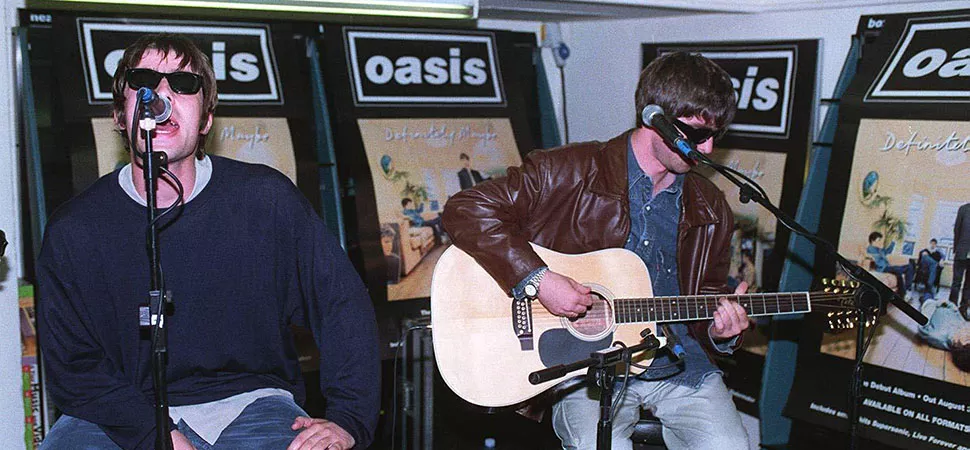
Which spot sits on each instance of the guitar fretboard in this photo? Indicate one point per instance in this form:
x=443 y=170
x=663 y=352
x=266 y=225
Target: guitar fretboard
x=694 y=307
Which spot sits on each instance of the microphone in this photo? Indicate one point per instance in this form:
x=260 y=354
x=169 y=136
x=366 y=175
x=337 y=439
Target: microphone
x=158 y=105
x=653 y=117
x=673 y=342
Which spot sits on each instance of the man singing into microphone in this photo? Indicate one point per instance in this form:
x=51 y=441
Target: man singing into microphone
x=245 y=257
x=633 y=191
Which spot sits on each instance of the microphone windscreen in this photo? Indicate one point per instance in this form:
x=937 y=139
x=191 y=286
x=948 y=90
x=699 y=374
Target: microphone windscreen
x=166 y=111
x=649 y=112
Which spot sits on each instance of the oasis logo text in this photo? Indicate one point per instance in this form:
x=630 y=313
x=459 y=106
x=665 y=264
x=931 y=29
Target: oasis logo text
x=931 y=63
x=241 y=55
x=403 y=68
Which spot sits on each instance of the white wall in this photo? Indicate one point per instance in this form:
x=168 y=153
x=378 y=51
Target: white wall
x=11 y=397
x=552 y=72
x=601 y=75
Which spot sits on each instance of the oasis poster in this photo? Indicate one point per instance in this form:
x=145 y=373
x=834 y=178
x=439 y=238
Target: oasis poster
x=896 y=186
x=413 y=107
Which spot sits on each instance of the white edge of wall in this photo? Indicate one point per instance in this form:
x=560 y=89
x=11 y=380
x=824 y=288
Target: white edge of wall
x=11 y=394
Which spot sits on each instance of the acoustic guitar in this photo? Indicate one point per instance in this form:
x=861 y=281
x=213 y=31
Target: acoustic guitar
x=486 y=344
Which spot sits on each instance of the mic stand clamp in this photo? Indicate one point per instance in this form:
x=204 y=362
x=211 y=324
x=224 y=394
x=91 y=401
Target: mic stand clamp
x=159 y=305
x=601 y=374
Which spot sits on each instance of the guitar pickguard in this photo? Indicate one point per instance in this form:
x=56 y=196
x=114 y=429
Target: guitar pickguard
x=558 y=346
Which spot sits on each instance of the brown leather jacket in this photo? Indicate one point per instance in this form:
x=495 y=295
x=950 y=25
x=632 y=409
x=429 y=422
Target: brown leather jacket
x=573 y=199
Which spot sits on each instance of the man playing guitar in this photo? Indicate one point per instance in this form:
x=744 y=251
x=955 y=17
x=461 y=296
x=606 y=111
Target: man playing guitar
x=637 y=193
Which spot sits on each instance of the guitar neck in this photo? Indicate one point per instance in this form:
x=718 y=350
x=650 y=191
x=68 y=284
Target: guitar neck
x=700 y=307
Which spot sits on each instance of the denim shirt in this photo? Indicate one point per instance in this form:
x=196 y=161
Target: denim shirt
x=879 y=255
x=653 y=235
x=414 y=214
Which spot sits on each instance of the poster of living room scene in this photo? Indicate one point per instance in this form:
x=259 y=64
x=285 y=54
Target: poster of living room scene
x=754 y=226
x=416 y=165
x=907 y=221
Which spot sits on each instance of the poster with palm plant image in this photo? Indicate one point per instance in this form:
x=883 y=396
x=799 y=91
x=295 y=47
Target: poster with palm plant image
x=907 y=182
x=416 y=165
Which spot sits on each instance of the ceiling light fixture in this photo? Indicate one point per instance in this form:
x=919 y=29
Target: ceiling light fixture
x=430 y=9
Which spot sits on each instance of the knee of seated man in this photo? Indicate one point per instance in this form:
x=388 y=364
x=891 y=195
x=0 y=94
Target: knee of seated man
x=736 y=438
x=727 y=438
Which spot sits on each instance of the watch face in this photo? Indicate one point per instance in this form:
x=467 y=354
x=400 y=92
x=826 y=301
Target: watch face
x=531 y=290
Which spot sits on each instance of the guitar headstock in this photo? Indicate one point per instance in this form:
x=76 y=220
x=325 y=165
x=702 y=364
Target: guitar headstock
x=847 y=319
x=846 y=314
x=841 y=292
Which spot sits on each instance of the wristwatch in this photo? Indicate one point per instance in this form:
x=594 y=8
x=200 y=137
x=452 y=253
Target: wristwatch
x=531 y=289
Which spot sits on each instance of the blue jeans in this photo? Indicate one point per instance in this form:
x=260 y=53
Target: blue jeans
x=930 y=265
x=907 y=271
x=264 y=424
x=695 y=419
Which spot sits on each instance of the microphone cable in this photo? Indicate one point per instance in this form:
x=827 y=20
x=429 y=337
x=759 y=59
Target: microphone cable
x=679 y=357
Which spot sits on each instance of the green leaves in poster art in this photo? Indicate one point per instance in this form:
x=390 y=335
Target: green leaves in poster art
x=891 y=226
x=870 y=198
x=416 y=192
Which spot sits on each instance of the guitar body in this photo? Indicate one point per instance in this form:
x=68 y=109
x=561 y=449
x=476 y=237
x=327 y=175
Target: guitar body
x=478 y=353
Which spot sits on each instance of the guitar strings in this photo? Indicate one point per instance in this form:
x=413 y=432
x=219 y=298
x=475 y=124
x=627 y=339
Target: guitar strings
x=798 y=301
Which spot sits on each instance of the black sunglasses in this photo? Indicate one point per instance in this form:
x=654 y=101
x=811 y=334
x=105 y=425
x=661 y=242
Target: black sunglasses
x=698 y=136
x=181 y=82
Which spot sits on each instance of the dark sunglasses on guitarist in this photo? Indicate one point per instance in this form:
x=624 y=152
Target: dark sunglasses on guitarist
x=181 y=82
x=698 y=136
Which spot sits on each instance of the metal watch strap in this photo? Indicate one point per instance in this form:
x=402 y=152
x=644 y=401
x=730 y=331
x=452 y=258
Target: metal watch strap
x=537 y=279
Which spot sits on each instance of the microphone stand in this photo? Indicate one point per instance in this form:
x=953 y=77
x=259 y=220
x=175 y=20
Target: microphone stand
x=152 y=317
x=884 y=293
x=602 y=372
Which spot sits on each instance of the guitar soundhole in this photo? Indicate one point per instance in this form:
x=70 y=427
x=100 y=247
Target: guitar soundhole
x=597 y=322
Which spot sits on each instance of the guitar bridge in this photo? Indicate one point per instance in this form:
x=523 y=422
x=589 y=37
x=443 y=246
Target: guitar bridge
x=522 y=322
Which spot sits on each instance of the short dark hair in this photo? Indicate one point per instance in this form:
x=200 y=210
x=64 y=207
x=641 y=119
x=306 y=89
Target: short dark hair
x=687 y=85
x=464 y=156
x=405 y=201
x=874 y=235
x=387 y=231
x=961 y=356
x=173 y=45
x=933 y=240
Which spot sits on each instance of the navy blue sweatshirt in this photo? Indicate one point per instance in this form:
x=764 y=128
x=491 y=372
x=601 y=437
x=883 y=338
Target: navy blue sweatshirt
x=246 y=258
